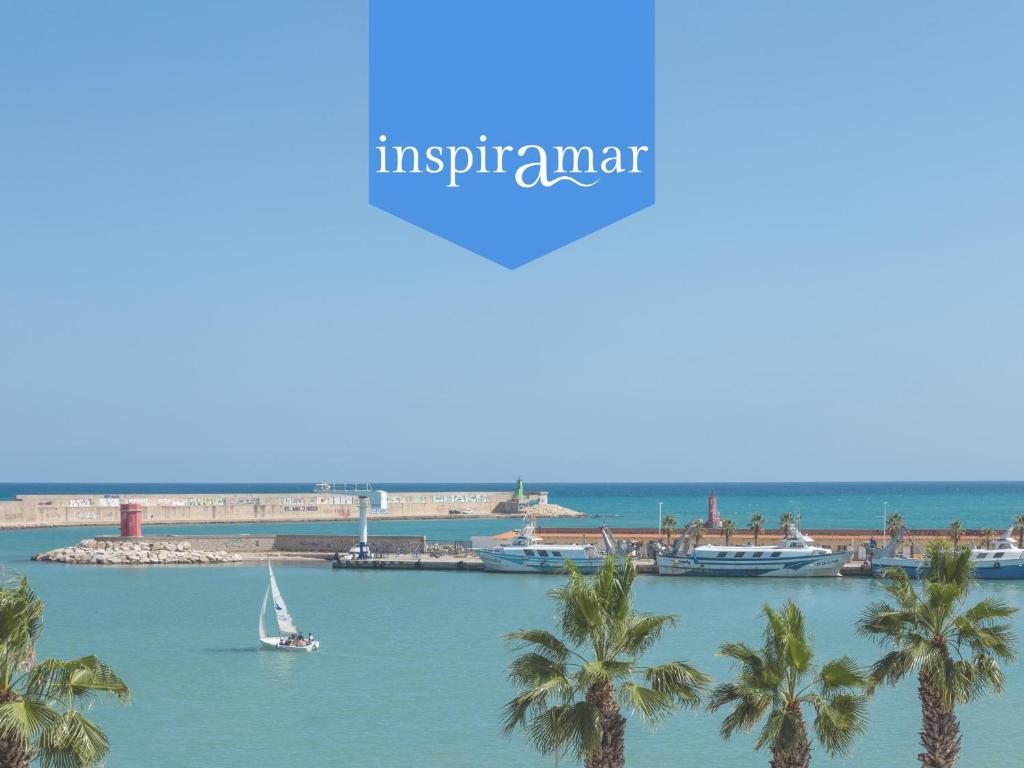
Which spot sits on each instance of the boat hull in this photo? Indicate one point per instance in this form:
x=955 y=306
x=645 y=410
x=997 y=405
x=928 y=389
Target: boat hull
x=501 y=562
x=917 y=568
x=274 y=643
x=805 y=566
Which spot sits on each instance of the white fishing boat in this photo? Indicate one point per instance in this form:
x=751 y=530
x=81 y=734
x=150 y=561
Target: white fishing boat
x=290 y=639
x=796 y=555
x=527 y=553
x=1003 y=560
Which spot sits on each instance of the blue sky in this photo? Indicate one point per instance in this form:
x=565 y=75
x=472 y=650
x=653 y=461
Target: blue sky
x=193 y=287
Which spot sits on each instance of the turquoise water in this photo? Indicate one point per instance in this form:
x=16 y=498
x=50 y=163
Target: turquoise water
x=412 y=666
x=820 y=505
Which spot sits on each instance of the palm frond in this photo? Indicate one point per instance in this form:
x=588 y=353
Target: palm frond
x=748 y=710
x=841 y=674
x=579 y=609
x=22 y=719
x=576 y=727
x=898 y=584
x=640 y=631
x=685 y=684
x=72 y=741
x=532 y=669
x=543 y=642
x=601 y=671
x=533 y=701
x=838 y=720
x=69 y=680
x=652 y=705
x=742 y=653
x=890 y=669
x=21 y=621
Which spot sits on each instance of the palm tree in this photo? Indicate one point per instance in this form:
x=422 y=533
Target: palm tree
x=777 y=681
x=986 y=537
x=728 y=530
x=893 y=523
x=572 y=690
x=697 y=531
x=668 y=527
x=787 y=519
x=1018 y=524
x=756 y=525
x=41 y=703
x=956 y=531
x=955 y=652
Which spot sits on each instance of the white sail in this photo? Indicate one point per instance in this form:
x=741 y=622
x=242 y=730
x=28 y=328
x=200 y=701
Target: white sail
x=284 y=619
x=263 y=610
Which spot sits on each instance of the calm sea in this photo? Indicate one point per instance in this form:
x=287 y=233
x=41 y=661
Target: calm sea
x=412 y=666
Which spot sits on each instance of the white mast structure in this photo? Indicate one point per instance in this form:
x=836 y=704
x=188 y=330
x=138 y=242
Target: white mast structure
x=367 y=498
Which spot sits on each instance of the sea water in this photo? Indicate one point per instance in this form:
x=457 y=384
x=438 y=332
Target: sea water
x=412 y=666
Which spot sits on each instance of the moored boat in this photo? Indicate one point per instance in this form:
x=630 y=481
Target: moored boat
x=290 y=639
x=796 y=555
x=1004 y=560
x=527 y=553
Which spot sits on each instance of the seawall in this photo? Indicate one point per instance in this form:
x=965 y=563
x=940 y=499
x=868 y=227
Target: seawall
x=43 y=511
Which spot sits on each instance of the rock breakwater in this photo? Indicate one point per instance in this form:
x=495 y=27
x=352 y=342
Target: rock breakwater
x=92 y=552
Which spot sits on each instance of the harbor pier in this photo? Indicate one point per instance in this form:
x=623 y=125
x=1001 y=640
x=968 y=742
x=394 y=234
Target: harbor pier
x=53 y=510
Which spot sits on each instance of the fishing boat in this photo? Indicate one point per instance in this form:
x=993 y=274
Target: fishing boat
x=290 y=639
x=1001 y=561
x=527 y=553
x=796 y=555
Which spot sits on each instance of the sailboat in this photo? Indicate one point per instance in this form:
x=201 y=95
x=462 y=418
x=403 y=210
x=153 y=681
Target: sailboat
x=290 y=638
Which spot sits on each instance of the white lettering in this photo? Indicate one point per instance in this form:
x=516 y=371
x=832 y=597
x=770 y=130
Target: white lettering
x=576 y=152
x=612 y=155
x=539 y=167
x=636 y=155
x=435 y=163
x=453 y=163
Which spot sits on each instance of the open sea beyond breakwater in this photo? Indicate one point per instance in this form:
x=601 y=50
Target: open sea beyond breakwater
x=821 y=505
x=411 y=670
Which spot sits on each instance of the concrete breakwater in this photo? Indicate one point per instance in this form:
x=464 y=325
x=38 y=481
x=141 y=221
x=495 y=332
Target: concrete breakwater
x=41 y=511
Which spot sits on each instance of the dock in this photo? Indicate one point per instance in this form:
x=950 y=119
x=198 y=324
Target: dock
x=468 y=564
x=411 y=563
x=440 y=563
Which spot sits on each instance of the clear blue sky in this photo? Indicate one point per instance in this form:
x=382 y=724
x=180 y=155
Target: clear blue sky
x=193 y=286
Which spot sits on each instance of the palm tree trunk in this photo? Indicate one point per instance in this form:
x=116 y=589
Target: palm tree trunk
x=940 y=730
x=14 y=754
x=796 y=754
x=612 y=752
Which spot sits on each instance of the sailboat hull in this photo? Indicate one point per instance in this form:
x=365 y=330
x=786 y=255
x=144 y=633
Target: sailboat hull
x=274 y=643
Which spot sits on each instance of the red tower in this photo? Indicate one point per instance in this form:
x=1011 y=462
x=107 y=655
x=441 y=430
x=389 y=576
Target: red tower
x=714 y=521
x=131 y=520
